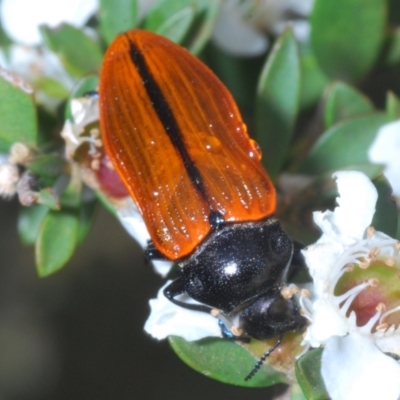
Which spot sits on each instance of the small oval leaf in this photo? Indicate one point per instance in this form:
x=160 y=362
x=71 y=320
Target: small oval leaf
x=205 y=16
x=392 y=55
x=392 y=107
x=224 y=361
x=49 y=198
x=347 y=36
x=56 y=241
x=29 y=221
x=176 y=27
x=117 y=16
x=78 y=52
x=342 y=102
x=86 y=215
x=385 y=217
x=345 y=144
x=18 y=120
x=278 y=102
x=308 y=374
x=313 y=79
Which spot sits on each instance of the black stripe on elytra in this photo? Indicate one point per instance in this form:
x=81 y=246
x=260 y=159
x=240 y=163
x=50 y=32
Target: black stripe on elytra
x=167 y=118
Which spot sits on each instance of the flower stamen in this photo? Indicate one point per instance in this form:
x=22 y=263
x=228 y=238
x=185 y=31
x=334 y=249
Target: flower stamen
x=370 y=232
x=390 y=261
x=387 y=313
x=350 y=295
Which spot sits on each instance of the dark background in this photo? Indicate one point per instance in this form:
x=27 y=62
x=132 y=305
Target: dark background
x=79 y=333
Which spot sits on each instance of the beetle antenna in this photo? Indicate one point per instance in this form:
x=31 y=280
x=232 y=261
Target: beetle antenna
x=260 y=362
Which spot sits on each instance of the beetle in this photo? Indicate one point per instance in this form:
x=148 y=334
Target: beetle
x=176 y=138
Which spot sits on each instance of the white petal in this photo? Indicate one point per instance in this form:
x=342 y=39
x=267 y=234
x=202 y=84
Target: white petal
x=301 y=29
x=168 y=319
x=235 y=36
x=353 y=368
x=320 y=259
x=21 y=18
x=326 y=322
x=388 y=341
x=32 y=63
x=301 y=7
x=3 y=158
x=85 y=110
x=356 y=207
x=385 y=150
x=132 y=221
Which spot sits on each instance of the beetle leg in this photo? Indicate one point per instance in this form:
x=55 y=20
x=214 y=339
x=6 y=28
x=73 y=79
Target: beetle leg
x=152 y=253
x=176 y=288
x=227 y=334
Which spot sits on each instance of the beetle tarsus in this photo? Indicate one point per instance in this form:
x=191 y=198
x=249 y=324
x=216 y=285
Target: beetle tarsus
x=227 y=334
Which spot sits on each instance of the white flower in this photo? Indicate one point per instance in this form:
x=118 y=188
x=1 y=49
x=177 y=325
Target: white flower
x=241 y=25
x=27 y=57
x=84 y=111
x=21 y=18
x=132 y=221
x=168 y=319
x=9 y=177
x=354 y=365
x=385 y=150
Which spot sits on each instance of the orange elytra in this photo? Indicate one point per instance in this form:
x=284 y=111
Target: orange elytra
x=176 y=138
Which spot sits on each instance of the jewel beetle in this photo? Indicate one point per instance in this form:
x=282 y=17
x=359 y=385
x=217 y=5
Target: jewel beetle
x=176 y=138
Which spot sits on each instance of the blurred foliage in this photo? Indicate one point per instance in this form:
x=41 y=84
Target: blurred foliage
x=314 y=106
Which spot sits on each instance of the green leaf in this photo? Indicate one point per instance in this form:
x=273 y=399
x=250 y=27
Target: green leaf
x=205 y=15
x=177 y=26
x=51 y=87
x=5 y=41
x=345 y=144
x=398 y=227
x=308 y=374
x=313 y=80
x=29 y=220
x=78 y=52
x=71 y=198
x=342 y=102
x=85 y=85
x=347 y=35
x=48 y=167
x=392 y=107
x=117 y=16
x=224 y=361
x=385 y=217
x=231 y=70
x=18 y=120
x=297 y=393
x=392 y=54
x=56 y=241
x=394 y=12
x=278 y=102
x=49 y=198
x=86 y=215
